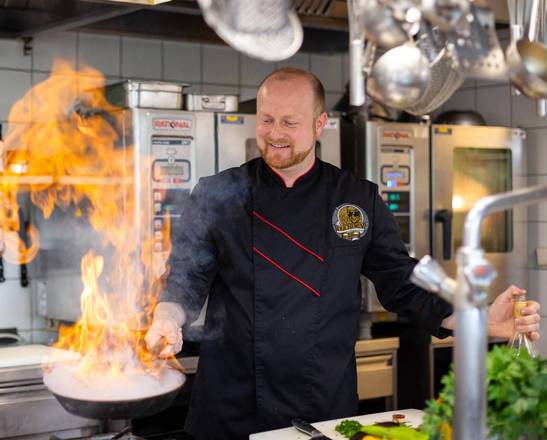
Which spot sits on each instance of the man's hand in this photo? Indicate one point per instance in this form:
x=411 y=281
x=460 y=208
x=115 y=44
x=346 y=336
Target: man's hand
x=165 y=334
x=500 y=316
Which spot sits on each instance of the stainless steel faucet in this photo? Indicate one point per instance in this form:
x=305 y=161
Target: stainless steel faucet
x=468 y=293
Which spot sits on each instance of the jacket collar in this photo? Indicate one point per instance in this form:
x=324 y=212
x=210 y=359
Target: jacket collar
x=272 y=178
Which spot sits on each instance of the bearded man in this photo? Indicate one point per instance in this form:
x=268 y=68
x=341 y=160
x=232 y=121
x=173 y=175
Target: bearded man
x=266 y=244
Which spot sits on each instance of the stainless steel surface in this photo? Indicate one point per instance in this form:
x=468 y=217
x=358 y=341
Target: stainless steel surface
x=397 y=145
x=399 y=77
x=146 y=94
x=445 y=76
x=213 y=103
x=380 y=24
x=446 y=141
x=527 y=57
x=429 y=275
x=478 y=49
x=28 y=410
x=182 y=146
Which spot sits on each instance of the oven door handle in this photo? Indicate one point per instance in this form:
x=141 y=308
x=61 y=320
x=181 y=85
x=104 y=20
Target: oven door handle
x=444 y=216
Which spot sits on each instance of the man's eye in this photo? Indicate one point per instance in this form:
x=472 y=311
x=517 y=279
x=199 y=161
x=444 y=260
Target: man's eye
x=290 y=124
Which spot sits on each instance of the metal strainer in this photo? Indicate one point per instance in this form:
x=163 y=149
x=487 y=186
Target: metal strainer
x=264 y=29
x=445 y=77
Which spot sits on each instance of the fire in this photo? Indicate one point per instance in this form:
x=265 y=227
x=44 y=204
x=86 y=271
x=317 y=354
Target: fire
x=69 y=157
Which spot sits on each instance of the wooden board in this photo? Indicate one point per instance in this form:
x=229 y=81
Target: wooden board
x=413 y=418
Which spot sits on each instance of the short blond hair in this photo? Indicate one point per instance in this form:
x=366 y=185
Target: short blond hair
x=286 y=73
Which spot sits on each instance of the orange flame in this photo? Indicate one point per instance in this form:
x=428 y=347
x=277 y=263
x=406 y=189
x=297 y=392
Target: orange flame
x=66 y=158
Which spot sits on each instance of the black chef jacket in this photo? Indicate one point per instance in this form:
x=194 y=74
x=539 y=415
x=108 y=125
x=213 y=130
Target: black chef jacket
x=281 y=267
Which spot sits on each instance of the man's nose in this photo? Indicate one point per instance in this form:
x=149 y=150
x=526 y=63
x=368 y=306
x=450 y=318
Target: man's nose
x=276 y=130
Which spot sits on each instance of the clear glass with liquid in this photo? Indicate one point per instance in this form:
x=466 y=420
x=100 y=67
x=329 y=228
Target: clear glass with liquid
x=520 y=341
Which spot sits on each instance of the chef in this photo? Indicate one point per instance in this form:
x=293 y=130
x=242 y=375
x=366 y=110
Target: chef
x=278 y=245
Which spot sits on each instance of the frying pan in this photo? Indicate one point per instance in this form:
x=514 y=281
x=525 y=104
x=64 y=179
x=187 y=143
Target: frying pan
x=123 y=408
x=118 y=409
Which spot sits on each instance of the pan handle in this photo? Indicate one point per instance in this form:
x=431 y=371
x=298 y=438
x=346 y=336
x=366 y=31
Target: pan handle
x=444 y=216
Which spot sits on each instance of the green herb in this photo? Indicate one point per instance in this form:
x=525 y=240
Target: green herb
x=517 y=398
x=348 y=428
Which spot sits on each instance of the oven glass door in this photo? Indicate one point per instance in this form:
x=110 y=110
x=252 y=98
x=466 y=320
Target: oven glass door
x=477 y=173
x=469 y=163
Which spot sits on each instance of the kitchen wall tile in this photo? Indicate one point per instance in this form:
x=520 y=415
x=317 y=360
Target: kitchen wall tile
x=469 y=83
x=213 y=89
x=246 y=93
x=101 y=52
x=537 y=237
x=16 y=305
x=538 y=212
x=328 y=68
x=494 y=104
x=300 y=59
x=220 y=65
x=254 y=71
x=16 y=86
x=537 y=288
x=524 y=113
x=462 y=99
x=12 y=56
x=141 y=58
x=48 y=47
x=536 y=150
x=331 y=99
x=182 y=61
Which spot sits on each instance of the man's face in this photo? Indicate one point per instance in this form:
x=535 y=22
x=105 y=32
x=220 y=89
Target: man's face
x=287 y=127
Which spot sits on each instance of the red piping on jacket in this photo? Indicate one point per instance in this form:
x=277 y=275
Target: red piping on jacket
x=286 y=272
x=286 y=234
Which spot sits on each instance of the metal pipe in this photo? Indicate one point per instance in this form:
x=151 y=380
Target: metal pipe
x=356 y=46
x=475 y=276
x=495 y=203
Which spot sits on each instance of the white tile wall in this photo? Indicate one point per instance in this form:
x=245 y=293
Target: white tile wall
x=12 y=56
x=15 y=84
x=48 y=47
x=494 y=104
x=463 y=99
x=220 y=65
x=524 y=113
x=246 y=93
x=141 y=58
x=16 y=305
x=101 y=52
x=181 y=62
x=301 y=60
x=253 y=71
x=328 y=68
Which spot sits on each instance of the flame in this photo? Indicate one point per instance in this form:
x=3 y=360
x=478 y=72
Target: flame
x=69 y=158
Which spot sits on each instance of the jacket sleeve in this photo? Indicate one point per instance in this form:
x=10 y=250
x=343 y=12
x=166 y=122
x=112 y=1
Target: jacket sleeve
x=192 y=264
x=388 y=265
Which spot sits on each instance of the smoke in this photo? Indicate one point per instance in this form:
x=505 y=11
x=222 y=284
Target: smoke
x=64 y=379
x=215 y=205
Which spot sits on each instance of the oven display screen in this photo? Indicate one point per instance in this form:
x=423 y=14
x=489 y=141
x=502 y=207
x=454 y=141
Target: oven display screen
x=176 y=171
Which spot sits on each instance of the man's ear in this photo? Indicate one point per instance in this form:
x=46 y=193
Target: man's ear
x=320 y=123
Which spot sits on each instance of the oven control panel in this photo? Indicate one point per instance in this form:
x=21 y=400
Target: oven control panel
x=396 y=183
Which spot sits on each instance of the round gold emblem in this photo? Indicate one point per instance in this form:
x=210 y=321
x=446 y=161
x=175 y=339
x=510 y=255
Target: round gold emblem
x=350 y=222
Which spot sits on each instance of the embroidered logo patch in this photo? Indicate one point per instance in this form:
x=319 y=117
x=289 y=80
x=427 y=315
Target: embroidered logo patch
x=350 y=222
